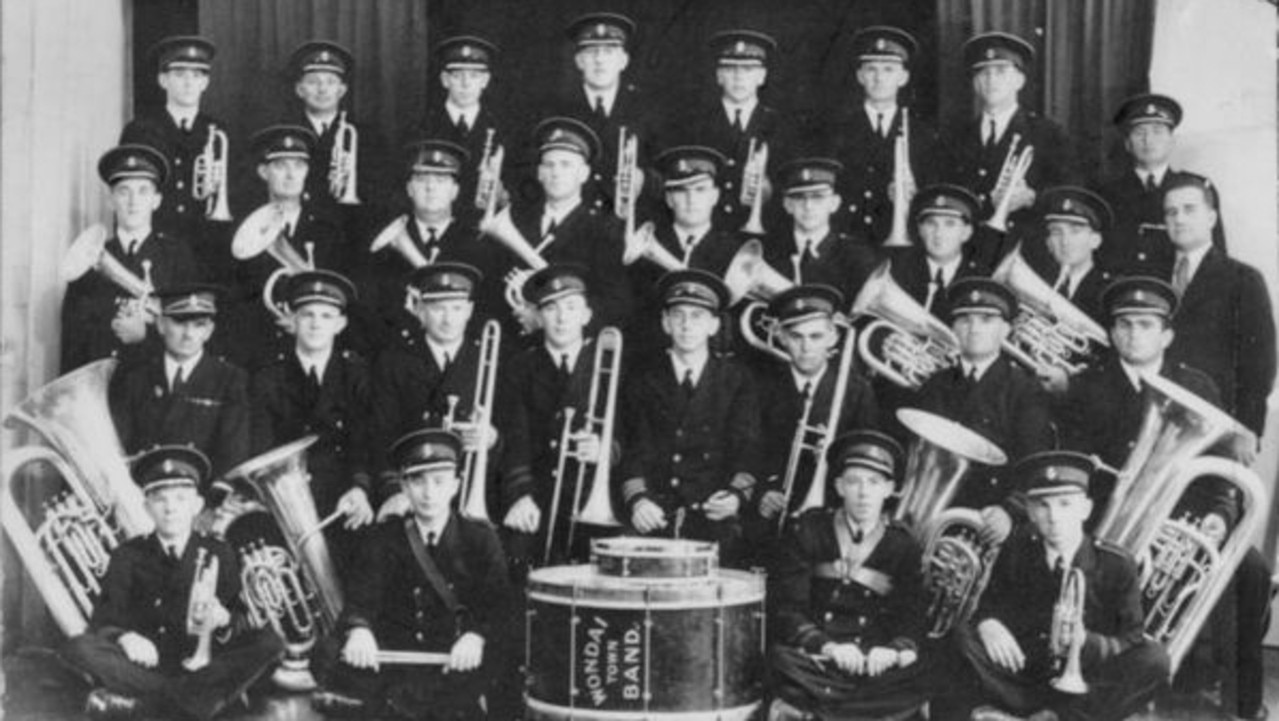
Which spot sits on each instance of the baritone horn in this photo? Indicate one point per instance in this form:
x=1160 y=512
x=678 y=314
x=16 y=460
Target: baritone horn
x=643 y=244
x=501 y=228
x=1064 y=641
x=1012 y=174
x=265 y=231
x=342 y=164
x=88 y=252
x=209 y=176
x=489 y=177
x=957 y=565
x=749 y=275
x=473 y=493
x=754 y=173
x=1049 y=331
x=903 y=185
x=904 y=343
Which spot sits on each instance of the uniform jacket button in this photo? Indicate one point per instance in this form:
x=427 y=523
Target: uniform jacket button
x=830 y=616
x=676 y=458
x=421 y=637
x=674 y=482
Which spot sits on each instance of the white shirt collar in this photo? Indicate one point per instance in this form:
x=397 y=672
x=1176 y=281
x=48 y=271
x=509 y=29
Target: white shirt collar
x=681 y=366
x=873 y=113
x=320 y=362
x=813 y=241
x=968 y=366
x=171 y=366
x=747 y=108
x=439 y=352
x=1002 y=119
x=1158 y=173
x=179 y=545
x=440 y=229
x=456 y=112
x=1134 y=373
x=572 y=351
x=436 y=529
x=1075 y=276
x=557 y=214
x=126 y=237
x=948 y=270
x=180 y=114
x=682 y=234
x=609 y=96
x=1194 y=258
x=801 y=380
x=1067 y=554
x=318 y=124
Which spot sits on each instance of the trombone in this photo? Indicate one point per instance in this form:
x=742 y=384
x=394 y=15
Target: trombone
x=473 y=494
x=342 y=163
x=209 y=176
x=754 y=172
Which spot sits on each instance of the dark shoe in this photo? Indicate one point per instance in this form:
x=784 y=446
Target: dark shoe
x=331 y=703
x=104 y=705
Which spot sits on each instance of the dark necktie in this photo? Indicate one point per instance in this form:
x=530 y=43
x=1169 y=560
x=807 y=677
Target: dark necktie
x=550 y=229
x=448 y=363
x=565 y=371
x=430 y=539
x=172 y=552
x=879 y=125
x=1181 y=275
x=807 y=391
x=687 y=384
x=133 y=247
x=1151 y=185
x=938 y=287
x=432 y=244
x=737 y=122
x=178 y=381
x=600 y=112
x=1059 y=570
x=689 y=242
x=313 y=376
x=1063 y=287
x=462 y=127
x=324 y=129
x=185 y=125
x=990 y=134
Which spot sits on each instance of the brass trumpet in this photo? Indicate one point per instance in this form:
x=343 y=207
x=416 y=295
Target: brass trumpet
x=264 y=231
x=204 y=594
x=903 y=179
x=473 y=494
x=754 y=172
x=1063 y=641
x=1011 y=175
x=88 y=252
x=905 y=343
x=209 y=176
x=625 y=192
x=343 y=162
x=489 y=179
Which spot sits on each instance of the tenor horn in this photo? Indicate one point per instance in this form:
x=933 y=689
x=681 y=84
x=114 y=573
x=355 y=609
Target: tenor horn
x=957 y=565
x=395 y=235
x=209 y=175
x=343 y=162
x=938 y=461
x=501 y=228
x=1049 y=331
x=749 y=275
x=88 y=252
x=265 y=231
x=903 y=179
x=905 y=343
x=643 y=244
x=759 y=330
x=1011 y=174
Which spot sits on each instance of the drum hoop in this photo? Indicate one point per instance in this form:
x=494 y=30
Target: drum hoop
x=652 y=548
x=553 y=711
x=639 y=604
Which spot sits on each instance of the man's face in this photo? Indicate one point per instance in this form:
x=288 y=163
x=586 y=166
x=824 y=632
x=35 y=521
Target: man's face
x=173 y=509
x=318 y=324
x=741 y=83
x=1072 y=244
x=944 y=236
x=1060 y=517
x=1189 y=217
x=809 y=344
x=184 y=86
x=564 y=320
x=430 y=492
x=562 y=174
x=811 y=209
x=694 y=203
x=601 y=65
x=285 y=177
x=997 y=85
x=432 y=193
x=321 y=91
x=465 y=86
x=1150 y=144
x=445 y=320
x=184 y=337
x=882 y=79
x=690 y=327
x=863 y=492
x=1140 y=338
x=980 y=335
x=134 y=201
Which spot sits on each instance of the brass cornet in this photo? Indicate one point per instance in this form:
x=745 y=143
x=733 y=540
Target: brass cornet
x=209 y=178
x=473 y=493
x=342 y=163
x=903 y=181
x=625 y=193
x=489 y=179
x=1063 y=641
x=204 y=596
x=754 y=172
x=1011 y=175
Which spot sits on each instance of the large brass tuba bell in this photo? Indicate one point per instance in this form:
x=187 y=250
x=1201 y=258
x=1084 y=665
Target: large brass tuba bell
x=905 y=343
x=939 y=458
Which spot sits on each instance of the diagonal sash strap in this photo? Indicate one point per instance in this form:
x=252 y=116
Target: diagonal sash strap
x=849 y=566
x=427 y=564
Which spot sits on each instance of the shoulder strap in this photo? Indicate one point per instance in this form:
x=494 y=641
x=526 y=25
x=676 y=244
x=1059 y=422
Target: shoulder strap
x=427 y=564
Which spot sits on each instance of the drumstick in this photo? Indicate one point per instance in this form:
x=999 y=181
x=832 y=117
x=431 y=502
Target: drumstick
x=412 y=658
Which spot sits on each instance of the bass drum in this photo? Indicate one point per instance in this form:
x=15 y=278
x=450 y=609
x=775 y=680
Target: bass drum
x=652 y=629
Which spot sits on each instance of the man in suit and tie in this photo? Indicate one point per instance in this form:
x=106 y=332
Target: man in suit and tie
x=1076 y=220
x=182 y=394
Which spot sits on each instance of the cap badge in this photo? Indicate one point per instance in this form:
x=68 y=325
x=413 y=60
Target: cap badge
x=990 y=53
x=1068 y=204
x=131 y=161
x=683 y=166
x=600 y=29
x=881 y=44
x=193 y=299
x=939 y=201
x=466 y=51
x=191 y=52
x=1150 y=109
x=290 y=141
x=974 y=296
x=556 y=134
x=1051 y=473
x=740 y=47
x=168 y=466
x=323 y=56
x=805 y=174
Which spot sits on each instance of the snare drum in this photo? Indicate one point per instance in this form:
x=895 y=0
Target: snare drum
x=653 y=629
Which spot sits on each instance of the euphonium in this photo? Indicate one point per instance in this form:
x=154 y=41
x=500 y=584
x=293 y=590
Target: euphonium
x=396 y=235
x=209 y=176
x=750 y=275
x=625 y=194
x=903 y=182
x=597 y=419
x=264 y=231
x=938 y=460
x=489 y=176
x=759 y=329
x=500 y=227
x=957 y=565
x=342 y=163
x=88 y=252
x=643 y=244
x=905 y=343
x=1064 y=641
x=276 y=596
x=204 y=593
x=1011 y=175
x=473 y=495
x=753 y=175
x=1049 y=331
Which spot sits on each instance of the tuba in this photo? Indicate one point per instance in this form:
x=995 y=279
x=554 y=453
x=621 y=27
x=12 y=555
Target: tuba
x=342 y=164
x=1184 y=572
x=1049 y=331
x=905 y=343
x=939 y=458
x=88 y=252
x=903 y=180
x=489 y=177
x=264 y=231
x=957 y=565
x=501 y=228
x=1011 y=174
x=474 y=471
x=395 y=235
x=754 y=172
x=598 y=419
x=209 y=176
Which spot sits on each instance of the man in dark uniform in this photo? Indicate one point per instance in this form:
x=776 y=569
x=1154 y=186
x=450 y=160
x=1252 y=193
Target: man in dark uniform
x=565 y=228
x=320 y=390
x=432 y=582
x=805 y=322
x=257 y=335
x=864 y=137
x=1014 y=646
x=181 y=131
x=945 y=218
x=182 y=394
x=693 y=439
x=988 y=393
x=809 y=249
x=99 y=319
x=1138 y=243
x=464 y=118
x=1224 y=325
x=846 y=597
x=432 y=376
x=1076 y=220
x=147 y=624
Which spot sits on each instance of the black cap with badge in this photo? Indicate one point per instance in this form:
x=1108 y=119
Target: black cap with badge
x=872 y=450
x=170 y=466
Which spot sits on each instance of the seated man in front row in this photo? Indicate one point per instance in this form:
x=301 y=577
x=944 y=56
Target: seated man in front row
x=145 y=628
x=1014 y=646
x=847 y=596
x=433 y=582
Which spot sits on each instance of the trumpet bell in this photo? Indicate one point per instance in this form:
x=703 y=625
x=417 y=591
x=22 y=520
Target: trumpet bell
x=749 y=274
x=263 y=232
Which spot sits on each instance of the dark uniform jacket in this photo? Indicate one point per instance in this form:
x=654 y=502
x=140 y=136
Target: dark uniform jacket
x=437 y=125
x=910 y=271
x=843 y=261
x=1137 y=243
x=148 y=592
x=681 y=450
x=92 y=301
x=392 y=596
x=210 y=410
x=1023 y=589
x=1224 y=326
x=709 y=125
x=287 y=406
x=882 y=604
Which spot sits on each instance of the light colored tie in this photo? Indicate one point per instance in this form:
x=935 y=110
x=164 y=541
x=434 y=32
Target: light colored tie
x=1181 y=275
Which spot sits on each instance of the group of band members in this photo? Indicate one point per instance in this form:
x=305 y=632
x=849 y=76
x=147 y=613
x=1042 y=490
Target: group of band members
x=379 y=353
